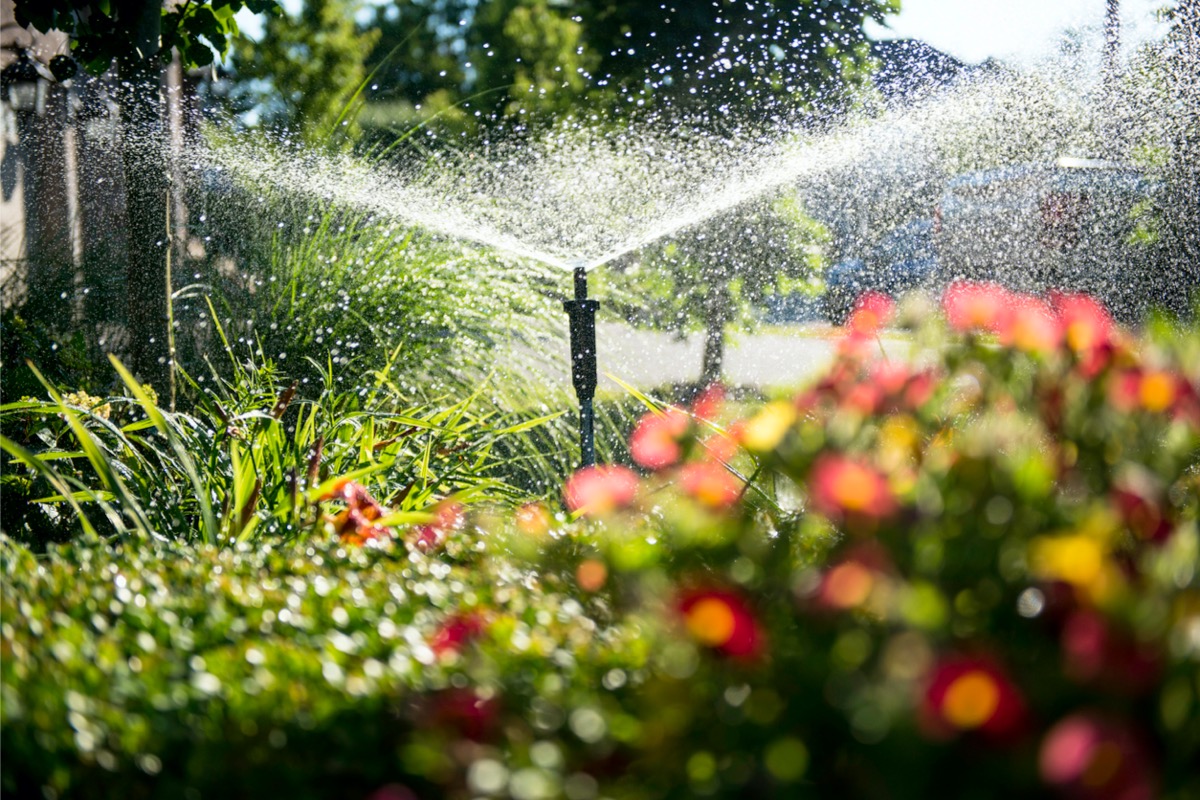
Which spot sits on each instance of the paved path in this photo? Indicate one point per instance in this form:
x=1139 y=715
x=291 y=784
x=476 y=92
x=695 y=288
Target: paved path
x=649 y=359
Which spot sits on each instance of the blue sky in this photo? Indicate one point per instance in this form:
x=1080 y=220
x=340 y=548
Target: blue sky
x=1021 y=30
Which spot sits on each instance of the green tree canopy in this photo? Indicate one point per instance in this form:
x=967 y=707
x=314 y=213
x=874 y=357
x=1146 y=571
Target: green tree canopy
x=306 y=71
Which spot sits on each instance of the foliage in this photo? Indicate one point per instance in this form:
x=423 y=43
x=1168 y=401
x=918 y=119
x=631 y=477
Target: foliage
x=101 y=31
x=720 y=273
x=969 y=574
x=531 y=59
x=248 y=463
x=306 y=72
x=312 y=284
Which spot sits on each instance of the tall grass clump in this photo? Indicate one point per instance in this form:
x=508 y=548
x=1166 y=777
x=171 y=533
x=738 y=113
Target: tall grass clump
x=248 y=461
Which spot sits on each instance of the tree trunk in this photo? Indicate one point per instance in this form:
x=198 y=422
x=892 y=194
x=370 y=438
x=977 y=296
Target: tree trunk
x=716 y=315
x=144 y=163
x=1183 y=180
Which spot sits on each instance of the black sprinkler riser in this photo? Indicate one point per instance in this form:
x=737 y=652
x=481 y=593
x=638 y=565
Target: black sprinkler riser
x=582 y=314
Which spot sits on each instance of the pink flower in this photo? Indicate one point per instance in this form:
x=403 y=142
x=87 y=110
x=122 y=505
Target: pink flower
x=1094 y=758
x=1031 y=326
x=871 y=312
x=1139 y=499
x=600 y=490
x=1087 y=326
x=448 y=516
x=710 y=484
x=976 y=306
x=708 y=404
x=655 y=441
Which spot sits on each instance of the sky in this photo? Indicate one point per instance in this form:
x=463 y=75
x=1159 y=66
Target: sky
x=1019 y=30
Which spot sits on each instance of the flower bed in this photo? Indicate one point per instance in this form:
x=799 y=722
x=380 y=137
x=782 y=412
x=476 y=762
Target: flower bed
x=972 y=574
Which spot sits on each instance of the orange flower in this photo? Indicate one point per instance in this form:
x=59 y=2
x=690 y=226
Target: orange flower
x=841 y=486
x=976 y=306
x=851 y=582
x=1094 y=758
x=966 y=693
x=720 y=619
x=357 y=522
x=591 y=575
x=533 y=519
x=655 y=441
x=710 y=484
x=596 y=491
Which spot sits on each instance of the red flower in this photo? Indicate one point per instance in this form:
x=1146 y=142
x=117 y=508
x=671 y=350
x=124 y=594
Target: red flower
x=1031 y=326
x=1156 y=391
x=976 y=306
x=357 y=522
x=871 y=312
x=1094 y=758
x=448 y=516
x=710 y=484
x=722 y=620
x=655 y=441
x=456 y=632
x=842 y=487
x=596 y=491
x=1095 y=651
x=465 y=712
x=967 y=694
x=1139 y=500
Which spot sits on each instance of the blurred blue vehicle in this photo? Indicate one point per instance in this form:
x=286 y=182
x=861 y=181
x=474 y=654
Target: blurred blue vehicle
x=902 y=261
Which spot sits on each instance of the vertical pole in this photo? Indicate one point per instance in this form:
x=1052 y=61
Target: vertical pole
x=582 y=314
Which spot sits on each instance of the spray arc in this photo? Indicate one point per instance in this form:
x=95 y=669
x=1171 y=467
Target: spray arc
x=582 y=314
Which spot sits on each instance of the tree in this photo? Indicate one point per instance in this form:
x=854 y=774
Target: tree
x=306 y=70
x=705 y=278
x=1166 y=78
x=140 y=36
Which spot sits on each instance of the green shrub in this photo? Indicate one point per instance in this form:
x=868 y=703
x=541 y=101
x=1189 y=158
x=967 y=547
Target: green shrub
x=971 y=574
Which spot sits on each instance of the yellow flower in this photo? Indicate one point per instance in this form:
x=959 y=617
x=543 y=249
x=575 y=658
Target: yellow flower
x=766 y=430
x=87 y=402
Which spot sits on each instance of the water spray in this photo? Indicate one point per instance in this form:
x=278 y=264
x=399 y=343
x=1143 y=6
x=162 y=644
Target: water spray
x=582 y=313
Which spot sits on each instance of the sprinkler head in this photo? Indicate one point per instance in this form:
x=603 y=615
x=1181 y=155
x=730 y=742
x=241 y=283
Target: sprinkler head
x=582 y=314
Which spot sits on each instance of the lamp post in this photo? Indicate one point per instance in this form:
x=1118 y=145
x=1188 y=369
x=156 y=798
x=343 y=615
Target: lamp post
x=582 y=314
x=24 y=88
